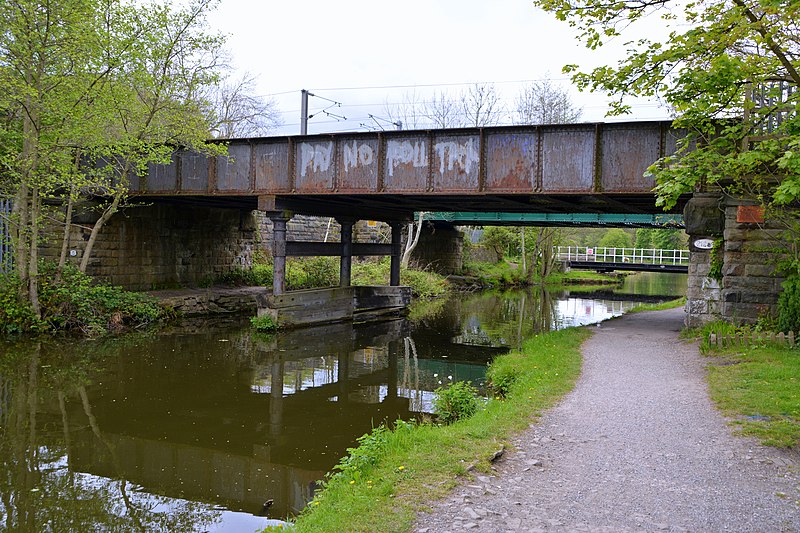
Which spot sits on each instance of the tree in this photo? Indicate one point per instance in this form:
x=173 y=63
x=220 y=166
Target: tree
x=615 y=238
x=443 y=111
x=541 y=102
x=236 y=111
x=414 y=231
x=719 y=55
x=409 y=112
x=94 y=91
x=481 y=106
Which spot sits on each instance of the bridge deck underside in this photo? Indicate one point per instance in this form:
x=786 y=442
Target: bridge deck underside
x=399 y=207
x=575 y=168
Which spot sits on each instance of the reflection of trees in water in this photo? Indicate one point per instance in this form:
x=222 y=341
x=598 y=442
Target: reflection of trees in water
x=510 y=317
x=37 y=489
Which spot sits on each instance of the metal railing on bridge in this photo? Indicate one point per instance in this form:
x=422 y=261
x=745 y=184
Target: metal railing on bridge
x=643 y=256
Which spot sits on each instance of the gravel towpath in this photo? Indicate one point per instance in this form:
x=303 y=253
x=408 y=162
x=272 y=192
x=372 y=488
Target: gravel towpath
x=637 y=446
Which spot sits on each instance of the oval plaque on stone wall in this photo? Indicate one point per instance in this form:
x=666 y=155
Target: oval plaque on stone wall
x=703 y=244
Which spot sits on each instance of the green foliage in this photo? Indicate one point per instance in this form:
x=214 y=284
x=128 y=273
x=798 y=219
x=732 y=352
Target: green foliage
x=264 y=323
x=16 y=314
x=76 y=302
x=455 y=402
x=423 y=283
x=644 y=238
x=503 y=240
x=496 y=275
x=79 y=303
x=371 y=447
x=716 y=260
x=616 y=238
x=789 y=305
x=714 y=53
x=312 y=272
x=504 y=373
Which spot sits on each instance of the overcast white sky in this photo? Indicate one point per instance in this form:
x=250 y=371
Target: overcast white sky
x=363 y=53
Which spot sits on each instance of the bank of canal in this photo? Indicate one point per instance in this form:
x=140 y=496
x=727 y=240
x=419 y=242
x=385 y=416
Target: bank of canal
x=196 y=427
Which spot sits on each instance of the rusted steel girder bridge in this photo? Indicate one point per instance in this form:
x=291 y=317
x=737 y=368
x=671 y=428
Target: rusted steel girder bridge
x=387 y=176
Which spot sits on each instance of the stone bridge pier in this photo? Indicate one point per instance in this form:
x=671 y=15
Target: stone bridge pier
x=733 y=260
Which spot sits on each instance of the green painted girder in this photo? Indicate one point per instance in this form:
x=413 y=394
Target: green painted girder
x=670 y=221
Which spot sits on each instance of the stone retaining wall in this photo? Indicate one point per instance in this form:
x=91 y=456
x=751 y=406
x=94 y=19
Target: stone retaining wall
x=749 y=285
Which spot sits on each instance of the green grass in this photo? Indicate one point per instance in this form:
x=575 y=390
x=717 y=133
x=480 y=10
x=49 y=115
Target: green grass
x=759 y=388
x=672 y=304
x=581 y=277
x=394 y=474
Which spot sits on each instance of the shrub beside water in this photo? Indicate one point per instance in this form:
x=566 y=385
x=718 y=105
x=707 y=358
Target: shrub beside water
x=75 y=303
x=455 y=402
x=264 y=324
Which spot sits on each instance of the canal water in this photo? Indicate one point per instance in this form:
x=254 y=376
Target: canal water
x=196 y=427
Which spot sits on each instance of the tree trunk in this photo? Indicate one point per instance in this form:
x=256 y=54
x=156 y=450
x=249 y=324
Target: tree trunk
x=33 y=264
x=109 y=211
x=62 y=259
x=413 y=239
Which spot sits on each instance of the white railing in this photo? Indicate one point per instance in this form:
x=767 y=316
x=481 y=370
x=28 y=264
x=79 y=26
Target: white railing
x=647 y=256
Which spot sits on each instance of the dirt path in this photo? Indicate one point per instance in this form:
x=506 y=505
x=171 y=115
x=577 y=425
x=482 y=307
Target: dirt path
x=637 y=446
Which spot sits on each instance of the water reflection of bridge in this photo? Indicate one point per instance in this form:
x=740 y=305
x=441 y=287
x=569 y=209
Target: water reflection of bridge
x=266 y=422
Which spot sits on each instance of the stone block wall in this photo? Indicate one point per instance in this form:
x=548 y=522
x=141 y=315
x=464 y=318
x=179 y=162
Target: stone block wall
x=165 y=246
x=308 y=228
x=749 y=286
x=750 y=283
x=440 y=249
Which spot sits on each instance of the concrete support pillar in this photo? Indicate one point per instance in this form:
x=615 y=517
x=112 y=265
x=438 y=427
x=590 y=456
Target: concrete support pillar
x=397 y=252
x=347 y=251
x=279 y=221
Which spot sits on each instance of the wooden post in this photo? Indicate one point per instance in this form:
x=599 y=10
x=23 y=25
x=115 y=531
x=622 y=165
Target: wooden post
x=347 y=251
x=394 y=276
x=279 y=252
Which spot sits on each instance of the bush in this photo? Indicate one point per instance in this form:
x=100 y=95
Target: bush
x=455 y=402
x=264 y=323
x=16 y=316
x=503 y=373
x=74 y=303
x=789 y=305
x=78 y=303
x=312 y=273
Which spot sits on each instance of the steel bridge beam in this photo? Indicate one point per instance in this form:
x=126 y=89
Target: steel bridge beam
x=567 y=168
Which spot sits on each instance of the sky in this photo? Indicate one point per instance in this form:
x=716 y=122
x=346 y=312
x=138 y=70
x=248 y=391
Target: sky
x=364 y=54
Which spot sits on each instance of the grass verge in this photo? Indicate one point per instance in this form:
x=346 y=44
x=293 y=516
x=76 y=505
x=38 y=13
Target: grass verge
x=672 y=304
x=758 y=387
x=392 y=475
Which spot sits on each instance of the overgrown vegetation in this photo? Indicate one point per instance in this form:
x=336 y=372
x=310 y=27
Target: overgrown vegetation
x=319 y=272
x=264 y=323
x=394 y=473
x=74 y=302
x=757 y=386
x=455 y=401
x=789 y=305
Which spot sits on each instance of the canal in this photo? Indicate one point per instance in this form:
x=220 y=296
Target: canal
x=197 y=426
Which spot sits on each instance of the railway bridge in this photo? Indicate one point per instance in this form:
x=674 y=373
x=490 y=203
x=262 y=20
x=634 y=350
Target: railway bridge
x=202 y=203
